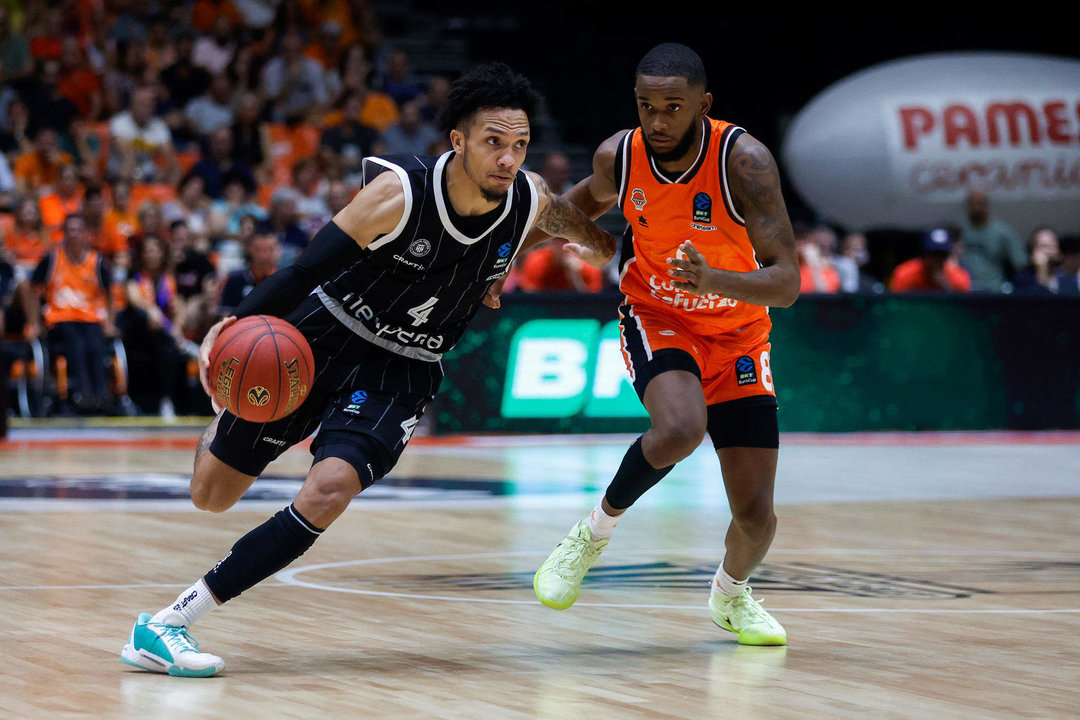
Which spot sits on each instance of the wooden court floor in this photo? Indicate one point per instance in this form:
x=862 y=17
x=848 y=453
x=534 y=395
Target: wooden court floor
x=918 y=576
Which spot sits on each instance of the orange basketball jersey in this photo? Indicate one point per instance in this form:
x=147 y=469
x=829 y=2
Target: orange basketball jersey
x=664 y=211
x=74 y=293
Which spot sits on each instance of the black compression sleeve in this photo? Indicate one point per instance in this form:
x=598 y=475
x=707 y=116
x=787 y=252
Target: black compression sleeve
x=330 y=251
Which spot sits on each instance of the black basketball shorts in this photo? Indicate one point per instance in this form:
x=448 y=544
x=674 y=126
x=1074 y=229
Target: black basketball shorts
x=364 y=401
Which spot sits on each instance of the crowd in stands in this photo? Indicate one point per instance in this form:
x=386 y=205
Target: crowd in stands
x=157 y=160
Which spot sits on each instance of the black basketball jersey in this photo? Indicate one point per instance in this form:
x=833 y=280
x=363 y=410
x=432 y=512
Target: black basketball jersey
x=415 y=289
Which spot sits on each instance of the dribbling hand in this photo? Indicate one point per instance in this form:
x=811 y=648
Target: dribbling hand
x=206 y=348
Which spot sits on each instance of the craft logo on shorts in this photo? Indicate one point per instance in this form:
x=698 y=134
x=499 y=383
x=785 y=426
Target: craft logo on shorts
x=258 y=396
x=420 y=247
x=638 y=198
x=702 y=208
x=746 y=370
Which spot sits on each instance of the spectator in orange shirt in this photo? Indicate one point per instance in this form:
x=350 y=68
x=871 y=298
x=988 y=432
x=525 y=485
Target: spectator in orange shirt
x=553 y=267
x=816 y=269
x=65 y=199
x=934 y=270
x=120 y=220
x=27 y=242
x=93 y=212
x=78 y=83
x=206 y=12
x=39 y=169
x=377 y=109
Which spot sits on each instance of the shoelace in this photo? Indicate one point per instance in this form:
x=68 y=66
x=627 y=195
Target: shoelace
x=567 y=561
x=177 y=638
x=749 y=605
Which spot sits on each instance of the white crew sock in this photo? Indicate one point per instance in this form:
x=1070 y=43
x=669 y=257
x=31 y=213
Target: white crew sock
x=600 y=524
x=188 y=608
x=724 y=583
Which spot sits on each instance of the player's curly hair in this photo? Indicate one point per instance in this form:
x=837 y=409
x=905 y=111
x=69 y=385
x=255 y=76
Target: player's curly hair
x=493 y=85
x=673 y=60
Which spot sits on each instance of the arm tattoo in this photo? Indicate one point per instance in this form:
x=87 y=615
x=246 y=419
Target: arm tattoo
x=561 y=218
x=757 y=184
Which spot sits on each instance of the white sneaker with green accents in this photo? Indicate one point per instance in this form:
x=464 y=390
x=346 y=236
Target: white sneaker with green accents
x=168 y=649
x=744 y=616
x=558 y=581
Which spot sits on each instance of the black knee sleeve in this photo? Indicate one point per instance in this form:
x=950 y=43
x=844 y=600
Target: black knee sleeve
x=261 y=553
x=634 y=477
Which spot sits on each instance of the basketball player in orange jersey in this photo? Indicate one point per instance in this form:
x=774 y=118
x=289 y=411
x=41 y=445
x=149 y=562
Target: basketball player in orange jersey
x=708 y=249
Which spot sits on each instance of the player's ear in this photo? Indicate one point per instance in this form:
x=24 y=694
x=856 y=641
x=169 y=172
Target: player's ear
x=457 y=140
x=706 y=104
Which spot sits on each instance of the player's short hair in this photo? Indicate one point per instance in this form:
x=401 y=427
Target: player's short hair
x=493 y=85
x=673 y=60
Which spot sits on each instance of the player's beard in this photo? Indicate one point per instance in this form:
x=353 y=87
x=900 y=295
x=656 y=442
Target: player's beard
x=680 y=149
x=492 y=196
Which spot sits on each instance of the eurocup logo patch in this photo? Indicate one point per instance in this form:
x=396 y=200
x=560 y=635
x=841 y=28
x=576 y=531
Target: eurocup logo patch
x=504 y=255
x=258 y=396
x=420 y=247
x=746 y=371
x=638 y=198
x=702 y=208
x=358 y=397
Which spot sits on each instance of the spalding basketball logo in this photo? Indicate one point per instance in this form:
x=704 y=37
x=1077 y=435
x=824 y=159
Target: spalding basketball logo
x=258 y=396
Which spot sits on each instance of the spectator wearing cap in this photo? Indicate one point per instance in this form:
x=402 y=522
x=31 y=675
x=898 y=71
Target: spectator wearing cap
x=933 y=271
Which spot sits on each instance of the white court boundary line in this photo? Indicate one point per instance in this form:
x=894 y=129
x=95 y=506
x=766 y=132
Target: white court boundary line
x=287 y=578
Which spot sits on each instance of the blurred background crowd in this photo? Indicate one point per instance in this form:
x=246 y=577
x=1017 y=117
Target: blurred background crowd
x=158 y=160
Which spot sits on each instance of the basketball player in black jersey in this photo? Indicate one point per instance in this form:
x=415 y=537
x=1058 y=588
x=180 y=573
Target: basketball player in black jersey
x=381 y=293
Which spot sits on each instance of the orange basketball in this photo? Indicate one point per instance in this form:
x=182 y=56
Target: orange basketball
x=261 y=368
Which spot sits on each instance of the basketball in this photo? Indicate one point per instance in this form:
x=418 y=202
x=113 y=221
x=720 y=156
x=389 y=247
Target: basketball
x=261 y=368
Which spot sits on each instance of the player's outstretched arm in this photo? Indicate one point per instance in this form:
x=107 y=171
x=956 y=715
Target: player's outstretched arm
x=755 y=188
x=558 y=217
x=594 y=195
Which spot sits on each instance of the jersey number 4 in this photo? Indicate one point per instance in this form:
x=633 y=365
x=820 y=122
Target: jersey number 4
x=420 y=313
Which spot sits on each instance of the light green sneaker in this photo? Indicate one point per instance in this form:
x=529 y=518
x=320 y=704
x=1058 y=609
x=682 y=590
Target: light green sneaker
x=744 y=616
x=168 y=649
x=558 y=581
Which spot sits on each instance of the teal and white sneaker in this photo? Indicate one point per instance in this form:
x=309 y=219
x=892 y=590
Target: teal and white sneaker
x=744 y=616
x=168 y=649
x=558 y=581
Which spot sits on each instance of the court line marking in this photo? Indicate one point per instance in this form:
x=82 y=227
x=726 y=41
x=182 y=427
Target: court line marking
x=287 y=578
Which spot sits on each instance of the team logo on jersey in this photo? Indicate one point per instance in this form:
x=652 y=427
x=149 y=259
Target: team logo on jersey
x=420 y=247
x=638 y=198
x=642 y=221
x=702 y=208
x=746 y=370
x=258 y=396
